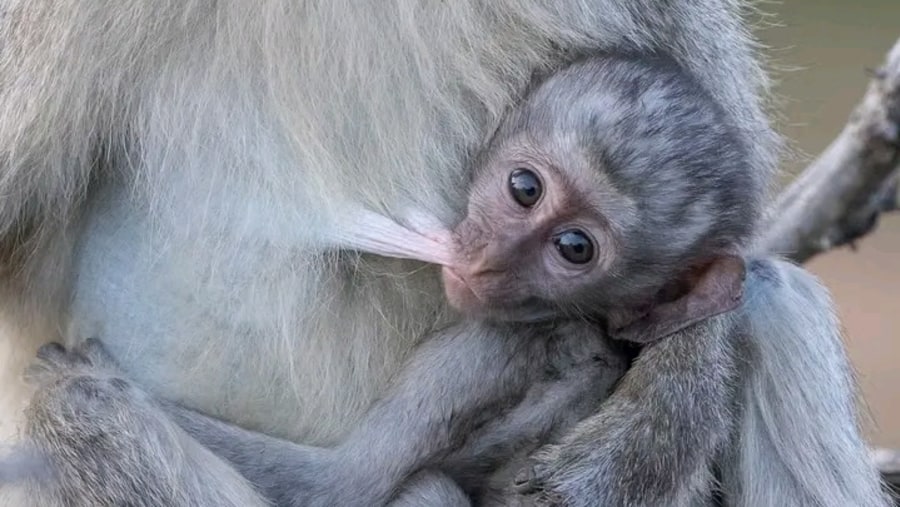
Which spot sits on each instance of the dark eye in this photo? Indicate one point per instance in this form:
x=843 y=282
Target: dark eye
x=575 y=246
x=525 y=187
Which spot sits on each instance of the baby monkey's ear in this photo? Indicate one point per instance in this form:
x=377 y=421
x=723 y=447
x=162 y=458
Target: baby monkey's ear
x=715 y=288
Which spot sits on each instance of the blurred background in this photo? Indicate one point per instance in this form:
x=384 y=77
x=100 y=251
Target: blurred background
x=821 y=51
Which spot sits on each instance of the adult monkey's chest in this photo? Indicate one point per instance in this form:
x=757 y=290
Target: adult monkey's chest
x=206 y=278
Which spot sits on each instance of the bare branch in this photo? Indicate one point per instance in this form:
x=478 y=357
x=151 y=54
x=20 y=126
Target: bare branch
x=839 y=197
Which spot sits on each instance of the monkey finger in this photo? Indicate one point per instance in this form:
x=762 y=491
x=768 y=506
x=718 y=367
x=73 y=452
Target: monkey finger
x=53 y=352
x=548 y=499
x=526 y=481
x=54 y=355
x=50 y=359
x=92 y=352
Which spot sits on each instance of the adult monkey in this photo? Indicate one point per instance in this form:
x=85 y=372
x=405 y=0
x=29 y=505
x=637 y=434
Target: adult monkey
x=174 y=175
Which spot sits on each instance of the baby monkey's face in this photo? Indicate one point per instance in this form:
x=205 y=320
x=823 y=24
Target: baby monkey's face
x=533 y=239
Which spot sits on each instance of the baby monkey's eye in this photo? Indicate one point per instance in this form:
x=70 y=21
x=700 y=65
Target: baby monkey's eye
x=525 y=187
x=575 y=246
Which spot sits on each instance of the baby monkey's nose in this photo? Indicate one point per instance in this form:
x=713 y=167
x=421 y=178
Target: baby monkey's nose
x=499 y=254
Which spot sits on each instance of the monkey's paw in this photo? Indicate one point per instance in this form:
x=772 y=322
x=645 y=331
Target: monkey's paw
x=577 y=473
x=534 y=484
x=82 y=401
x=53 y=362
x=590 y=469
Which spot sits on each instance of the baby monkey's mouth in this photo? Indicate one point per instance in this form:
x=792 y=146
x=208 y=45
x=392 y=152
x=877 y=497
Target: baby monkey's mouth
x=459 y=292
x=466 y=298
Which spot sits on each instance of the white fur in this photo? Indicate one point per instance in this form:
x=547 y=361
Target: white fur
x=230 y=140
x=799 y=444
x=173 y=168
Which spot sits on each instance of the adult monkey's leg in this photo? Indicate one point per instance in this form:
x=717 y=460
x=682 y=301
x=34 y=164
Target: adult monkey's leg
x=109 y=443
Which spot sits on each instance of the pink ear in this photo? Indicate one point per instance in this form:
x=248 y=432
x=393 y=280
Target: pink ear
x=718 y=289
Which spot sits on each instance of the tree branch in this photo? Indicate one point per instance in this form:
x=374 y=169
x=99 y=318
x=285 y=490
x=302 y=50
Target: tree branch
x=839 y=197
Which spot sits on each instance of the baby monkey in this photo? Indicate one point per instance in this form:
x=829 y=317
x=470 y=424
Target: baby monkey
x=609 y=207
x=611 y=203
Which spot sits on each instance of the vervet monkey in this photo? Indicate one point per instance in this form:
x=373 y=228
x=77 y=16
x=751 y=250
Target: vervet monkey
x=174 y=175
x=562 y=245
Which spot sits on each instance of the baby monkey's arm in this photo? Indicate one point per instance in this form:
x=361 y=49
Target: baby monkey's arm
x=459 y=392
x=655 y=439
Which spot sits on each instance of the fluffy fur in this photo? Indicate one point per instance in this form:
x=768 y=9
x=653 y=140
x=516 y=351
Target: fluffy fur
x=169 y=167
x=260 y=122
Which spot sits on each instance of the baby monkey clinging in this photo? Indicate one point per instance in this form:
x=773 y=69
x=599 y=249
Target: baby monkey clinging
x=618 y=191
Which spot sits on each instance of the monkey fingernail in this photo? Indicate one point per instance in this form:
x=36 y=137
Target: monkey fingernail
x=524 y=480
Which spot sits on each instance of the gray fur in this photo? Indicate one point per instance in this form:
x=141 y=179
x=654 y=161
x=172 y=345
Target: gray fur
x=773 y=443
x=23 y=463
x=433 y=489
x=478 y=396
x=798 y=443
x=174 y=166
x=661 y=148
x=672 y=423
x=168 y=171
x=88 y=422
x=446 y=412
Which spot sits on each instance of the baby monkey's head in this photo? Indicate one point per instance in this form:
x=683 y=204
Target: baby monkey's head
x=614 y=185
